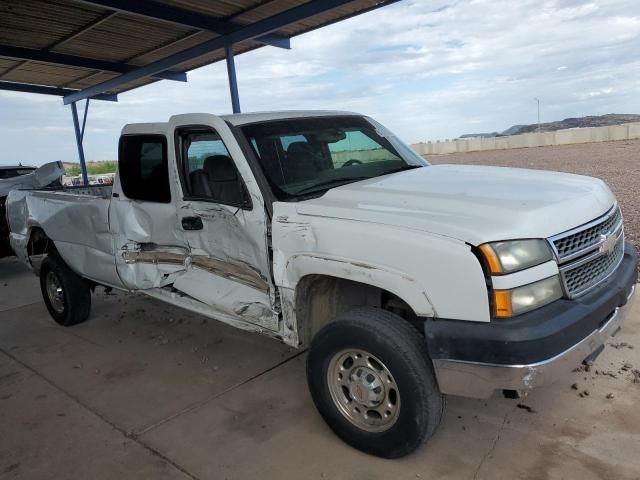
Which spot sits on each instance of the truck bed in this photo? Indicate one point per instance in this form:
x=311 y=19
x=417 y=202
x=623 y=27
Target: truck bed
x=102 y=191
x=76 y=219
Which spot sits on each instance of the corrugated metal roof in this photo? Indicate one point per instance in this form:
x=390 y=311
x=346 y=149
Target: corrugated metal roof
x=84 y=29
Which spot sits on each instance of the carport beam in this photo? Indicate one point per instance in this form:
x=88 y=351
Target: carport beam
x=233 y=81
x=76 y=126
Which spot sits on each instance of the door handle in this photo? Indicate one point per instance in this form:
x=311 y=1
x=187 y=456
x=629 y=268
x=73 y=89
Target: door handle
x=192 y=223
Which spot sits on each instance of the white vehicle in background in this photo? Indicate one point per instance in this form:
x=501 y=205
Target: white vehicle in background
x=406 y=281
x=77 y=181
x=23 y=177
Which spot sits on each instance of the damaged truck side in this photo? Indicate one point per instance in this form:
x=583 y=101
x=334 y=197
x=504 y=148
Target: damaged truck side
x=406 y=281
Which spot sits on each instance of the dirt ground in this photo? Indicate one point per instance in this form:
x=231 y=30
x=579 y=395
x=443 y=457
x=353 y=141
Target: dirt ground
x=617 y=163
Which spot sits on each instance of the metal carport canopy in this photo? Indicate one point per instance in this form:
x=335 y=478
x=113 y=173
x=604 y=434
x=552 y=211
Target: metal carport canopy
x=86 y=49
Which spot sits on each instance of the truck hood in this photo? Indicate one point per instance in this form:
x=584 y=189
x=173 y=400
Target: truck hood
x=474 y=204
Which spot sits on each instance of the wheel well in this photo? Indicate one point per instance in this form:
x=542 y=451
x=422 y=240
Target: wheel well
x=321 y=298
x=39 y=243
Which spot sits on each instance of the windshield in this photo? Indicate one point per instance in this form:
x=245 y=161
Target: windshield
x=305 y=157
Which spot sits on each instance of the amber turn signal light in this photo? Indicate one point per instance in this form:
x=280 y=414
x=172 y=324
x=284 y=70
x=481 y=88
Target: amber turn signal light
x=502 y=302
x=492 y=259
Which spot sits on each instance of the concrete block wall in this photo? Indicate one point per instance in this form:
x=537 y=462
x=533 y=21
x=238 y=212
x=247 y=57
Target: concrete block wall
x=627 y=131
x=619 y=132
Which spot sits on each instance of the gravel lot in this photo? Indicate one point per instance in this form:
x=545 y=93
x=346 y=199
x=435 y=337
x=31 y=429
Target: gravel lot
x=617 y=163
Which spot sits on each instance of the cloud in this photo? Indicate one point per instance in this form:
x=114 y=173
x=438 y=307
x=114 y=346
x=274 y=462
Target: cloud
x=427 y=70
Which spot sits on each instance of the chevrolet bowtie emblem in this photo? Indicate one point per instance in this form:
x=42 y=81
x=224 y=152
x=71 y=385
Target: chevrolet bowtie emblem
x=608 y=244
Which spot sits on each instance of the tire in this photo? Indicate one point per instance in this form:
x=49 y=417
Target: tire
x=66 y=295
x=395 y=424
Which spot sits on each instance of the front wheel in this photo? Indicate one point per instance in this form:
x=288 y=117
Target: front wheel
x=372 y=381
x=66 y=295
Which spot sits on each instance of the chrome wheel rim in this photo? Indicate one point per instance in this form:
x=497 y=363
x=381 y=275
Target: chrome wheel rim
x=363 y=390
x=54 y=292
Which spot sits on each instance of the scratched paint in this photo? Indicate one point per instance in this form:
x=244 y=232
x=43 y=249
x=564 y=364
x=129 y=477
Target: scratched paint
x=429 y=272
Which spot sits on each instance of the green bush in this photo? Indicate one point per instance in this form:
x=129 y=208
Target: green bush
x=93 y=168
x=101 y=167
x=72 y=171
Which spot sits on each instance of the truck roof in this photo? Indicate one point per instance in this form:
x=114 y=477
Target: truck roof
x=238 y=119
x=253 y=117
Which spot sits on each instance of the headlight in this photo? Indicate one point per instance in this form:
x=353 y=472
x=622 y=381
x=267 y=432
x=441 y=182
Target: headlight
x=515 y=255
x=509 y=303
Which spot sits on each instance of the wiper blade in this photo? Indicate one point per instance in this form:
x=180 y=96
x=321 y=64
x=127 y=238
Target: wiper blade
x=334 y=182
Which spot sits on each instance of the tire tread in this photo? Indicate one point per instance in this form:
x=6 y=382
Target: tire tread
x=410 y=347
x=76 y=290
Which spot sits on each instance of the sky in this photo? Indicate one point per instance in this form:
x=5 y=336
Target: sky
x=426 y=69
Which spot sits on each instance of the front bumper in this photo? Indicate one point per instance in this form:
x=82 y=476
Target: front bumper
x=534 y=349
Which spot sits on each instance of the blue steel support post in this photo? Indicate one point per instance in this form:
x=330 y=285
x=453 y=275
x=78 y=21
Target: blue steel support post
x=233 y=81
x=76 y=126
x=84 y=119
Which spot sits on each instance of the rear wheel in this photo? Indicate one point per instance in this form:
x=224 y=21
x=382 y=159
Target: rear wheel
x=66 y=295
x=372 y=381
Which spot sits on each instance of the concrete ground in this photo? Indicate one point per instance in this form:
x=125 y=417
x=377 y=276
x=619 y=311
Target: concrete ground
x=144 y=390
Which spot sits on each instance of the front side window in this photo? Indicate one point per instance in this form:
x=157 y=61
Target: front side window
x=209 y=171
x=143 y=168
x=304 y=157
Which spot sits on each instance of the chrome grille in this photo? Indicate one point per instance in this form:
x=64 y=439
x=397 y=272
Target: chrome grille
x=574 y=244
x=587 y=255
x=581 y=278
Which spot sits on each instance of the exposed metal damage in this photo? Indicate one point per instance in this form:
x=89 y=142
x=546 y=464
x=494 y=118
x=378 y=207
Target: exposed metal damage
x=240 y=273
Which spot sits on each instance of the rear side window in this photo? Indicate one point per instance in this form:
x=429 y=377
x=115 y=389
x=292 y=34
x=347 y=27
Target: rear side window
x=144 y=169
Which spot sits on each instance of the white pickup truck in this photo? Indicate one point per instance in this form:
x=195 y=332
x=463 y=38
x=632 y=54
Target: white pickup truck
x=406 y=281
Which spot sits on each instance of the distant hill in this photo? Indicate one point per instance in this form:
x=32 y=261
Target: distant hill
x=483 y=135
x=579 y=122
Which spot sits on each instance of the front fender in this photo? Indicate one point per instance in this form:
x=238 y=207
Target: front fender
x=396 y=282
x=435 y=275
